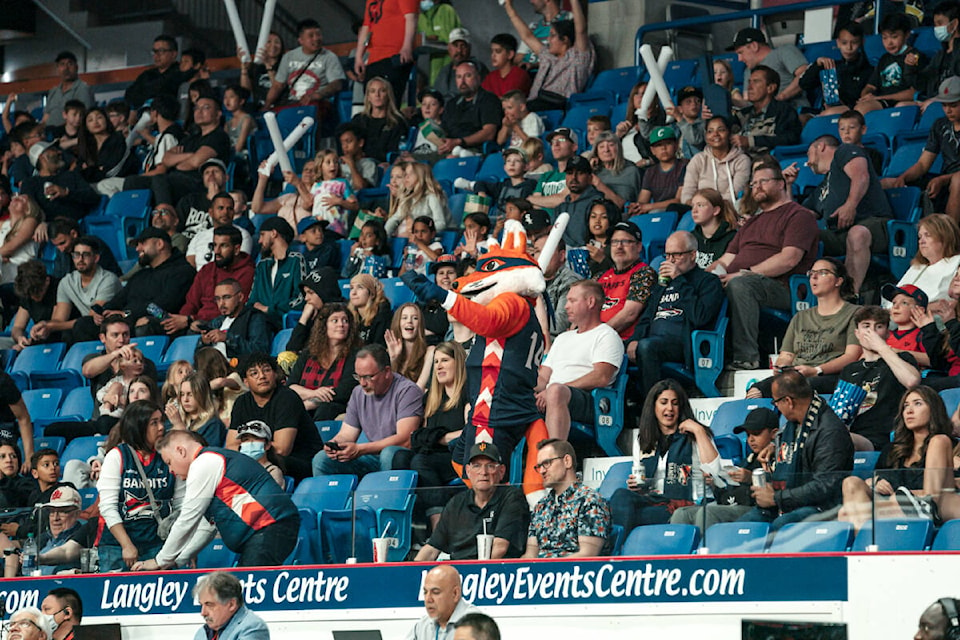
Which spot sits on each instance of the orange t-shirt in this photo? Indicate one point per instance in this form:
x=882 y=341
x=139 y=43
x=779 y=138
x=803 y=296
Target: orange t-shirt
x=385 y=20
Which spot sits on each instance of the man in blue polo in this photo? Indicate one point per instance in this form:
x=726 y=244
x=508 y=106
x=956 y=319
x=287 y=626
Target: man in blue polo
x=254 y=517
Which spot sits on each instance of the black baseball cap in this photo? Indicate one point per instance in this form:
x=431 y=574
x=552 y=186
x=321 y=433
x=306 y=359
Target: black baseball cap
x=578 y=164
x=324 y=283
x=146 y=234
x=281 y=226
x=485 y=450
x=757 y=420
x=535 y=221
x=630 y=228
x=746 y=36
x=689 y=91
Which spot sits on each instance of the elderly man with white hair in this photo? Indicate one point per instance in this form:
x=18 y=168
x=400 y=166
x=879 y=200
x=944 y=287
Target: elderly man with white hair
x=29 y=623
x=225 y=617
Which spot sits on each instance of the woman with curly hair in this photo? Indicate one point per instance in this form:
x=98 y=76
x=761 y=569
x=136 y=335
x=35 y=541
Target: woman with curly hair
x=370 y=307
x=323 y=374
x=407 y=345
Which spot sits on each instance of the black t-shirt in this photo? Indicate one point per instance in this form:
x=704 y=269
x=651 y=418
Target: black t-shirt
x=218 y=140
x=42 y=309
x=381 y=138
x=507 y=516
x=284 y=410
x=192 y=209
x=835 y=188
x=463 y=118
x=880 y=408
x=944 y=139
x=9 y=394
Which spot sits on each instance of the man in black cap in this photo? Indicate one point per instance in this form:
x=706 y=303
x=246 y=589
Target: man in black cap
x=276 y=281
x=320 y=248
x=734 y=500
x=578 y=202
x=488 y=508
x=71 y=87
x=688 y=114
x=628 y=283
x=58 y=190
x=787 y=61
x=318 y=287
x=159 y=288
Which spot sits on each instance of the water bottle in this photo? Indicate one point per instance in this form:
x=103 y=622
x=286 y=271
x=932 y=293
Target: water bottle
x=154 y=310
x=411 y=257
x=29 y=556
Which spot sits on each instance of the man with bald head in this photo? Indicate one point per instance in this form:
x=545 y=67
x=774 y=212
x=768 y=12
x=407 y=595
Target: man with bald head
x=937 y=620
x=685 y=298
x=444 y=604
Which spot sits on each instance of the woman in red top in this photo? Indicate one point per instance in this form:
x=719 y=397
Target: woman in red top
x=323 y=374
x=386 y=41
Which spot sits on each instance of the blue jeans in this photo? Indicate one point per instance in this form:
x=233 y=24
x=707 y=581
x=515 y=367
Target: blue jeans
x=323 y=465
x=111 y=556
x=765 y=515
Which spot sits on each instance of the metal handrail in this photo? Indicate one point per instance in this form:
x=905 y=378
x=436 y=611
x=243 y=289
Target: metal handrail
x=753 y=15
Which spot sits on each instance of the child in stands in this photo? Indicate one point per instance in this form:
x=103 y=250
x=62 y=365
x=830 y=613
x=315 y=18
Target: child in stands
x=506 y=77
x=536 y=166
x=370 y=253
x=241 y=124
x=661 y=183
x=476 y=236
x=519 y=123
x=515 y=185
x=422 y=246
x=906 y=337
x=897 y=75
x=595 y=126
x=852 y=68
x=74 y=111
x=429 y=131
x=332 y=194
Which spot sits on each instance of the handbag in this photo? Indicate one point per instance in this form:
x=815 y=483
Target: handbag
x=164 y=525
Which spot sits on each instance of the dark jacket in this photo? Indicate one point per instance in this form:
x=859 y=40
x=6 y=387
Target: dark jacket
x=341 y=392
x=777 y=125
x=852 y=77
x=249 y=333
x=79 y=202
x=941 y=346
x=824 y=461
x=199 y=301
x=701 y=296
x=165 y=285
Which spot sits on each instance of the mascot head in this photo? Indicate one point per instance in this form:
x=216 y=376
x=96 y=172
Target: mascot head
x=506 y=268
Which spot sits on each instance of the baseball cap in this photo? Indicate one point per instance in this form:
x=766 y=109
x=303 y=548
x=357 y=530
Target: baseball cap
x=948 y=91
x=310 y=221
x=890 y=291
x=662 y=133
x=64 y=496
x=146 y=234
x=535 y=221
x=630 y=228
x=486 y=450
x=459 y=34
x=746 y=36
x=37 y=150
x=446 y=260
x=757 y=420
x=324 y=283
x=281 y=226
x=566 y=132
x=213 y=162
x=255 y=428
x=689 y=91
x=578 y=164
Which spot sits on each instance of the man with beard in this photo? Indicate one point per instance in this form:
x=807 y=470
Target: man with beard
x=629 y=283
x=295 y=437
x=386 y=407
x=192 y=208
x=579 y=201
x=57 y=190
x=87 y=286
x=238 y=329
x=163 y=280
x=769 y=248
x=460 y=50
x=276 y=282
x=473 y=116
x=221 y=214
x=63 y=234
x=71 y=87
x=229 y=261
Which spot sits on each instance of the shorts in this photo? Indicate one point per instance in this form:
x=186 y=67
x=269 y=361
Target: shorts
x=581 y=406
x=835 y=240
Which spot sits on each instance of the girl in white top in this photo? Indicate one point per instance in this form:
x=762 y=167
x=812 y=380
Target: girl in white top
x=422 y=196
x=16 y=236
x=938 y=257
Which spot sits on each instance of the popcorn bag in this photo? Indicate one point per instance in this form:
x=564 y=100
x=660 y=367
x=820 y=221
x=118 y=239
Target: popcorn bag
x=433 y=133
x=477 y=204
x=831 y=87
x=846 y=401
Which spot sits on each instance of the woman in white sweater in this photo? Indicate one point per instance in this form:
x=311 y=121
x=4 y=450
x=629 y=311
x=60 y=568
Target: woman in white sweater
x=937 y=259
x=719 y=166
x=423 y=196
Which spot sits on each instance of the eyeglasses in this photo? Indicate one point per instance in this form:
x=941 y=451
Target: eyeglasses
x=780 y=399
x=677 y=254
x=84 y=255
x=622 y=243
x=540 y=467
x=485 y=466
x=13 y=624
x=367 y=377
x=762 y=181
x=820 y=273
x=224 y=298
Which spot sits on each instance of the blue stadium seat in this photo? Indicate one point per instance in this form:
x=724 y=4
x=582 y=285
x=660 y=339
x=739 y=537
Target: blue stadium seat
x=680 y=73
x=730 y=447
x=132 y=209
x=68 y=375
x=905 y=202
x=816 y=50
x=890 y=122
x=346 y=244
x=328 y=428
x=615 y=478
x=873 y=47
x=48 y=442
x=662 y=540
x=655 y=227
x=83 y=448
x=291 y=318
x=39 y=359
x=932 y=113
x=707 y=349
x=608 y=406
x=732 y=413
x=216 y=555
x=619 y=81
x=181 y=348
x=110 y=231
x=577 y=117
x=77 y=405
x=152 y=347
x=736 y=537
x=311 y=498
x=948 y=538
x=280 y=341
x=492 y=168
x=396 y=292
x=815 y=127
x=812 y=537
x=592 y=98
x=448 y=238
x=686 y=222
x=895 y=535
x=88 y=497
x=905 y=156
x=398 y=248
x=925 y=41
x=382 y=506
x=951 y=398
x=305 y=149
x=902 y=245
x=456 y=204
x=452 y=168
x=43 y=406
x=864 y=463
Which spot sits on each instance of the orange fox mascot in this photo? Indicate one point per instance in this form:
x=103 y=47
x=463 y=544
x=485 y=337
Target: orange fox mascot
x=497 y=303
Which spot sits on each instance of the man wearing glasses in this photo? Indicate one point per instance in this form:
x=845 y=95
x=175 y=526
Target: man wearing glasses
x=572 y=520
x=628 y=283
x=489 y=507
x=686 y=298
x=28 y=623
x=755 y=269
x=238 y=329
x=386 y=407
x=164 y=77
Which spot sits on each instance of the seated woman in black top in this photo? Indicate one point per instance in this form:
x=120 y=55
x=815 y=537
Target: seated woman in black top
x=444 y=413
x=912 y=471
x=323 y=373
x=101 y=151
x=382 y=124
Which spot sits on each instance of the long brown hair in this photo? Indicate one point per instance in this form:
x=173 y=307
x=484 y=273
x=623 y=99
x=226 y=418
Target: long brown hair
x=319 y=346
x=943 y=228
x=903 y=443
x=435 y=393
x=410 y=361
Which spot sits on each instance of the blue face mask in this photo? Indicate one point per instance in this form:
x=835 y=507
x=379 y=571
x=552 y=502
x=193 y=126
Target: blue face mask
x=942 y=34
x=426 y=5
x=254 y=449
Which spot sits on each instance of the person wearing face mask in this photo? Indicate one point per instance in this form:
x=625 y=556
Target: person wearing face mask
x=255 y=437
x=946 y=28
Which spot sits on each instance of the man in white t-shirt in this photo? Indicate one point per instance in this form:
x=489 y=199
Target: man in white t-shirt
x=582 y=359
x=311 y=72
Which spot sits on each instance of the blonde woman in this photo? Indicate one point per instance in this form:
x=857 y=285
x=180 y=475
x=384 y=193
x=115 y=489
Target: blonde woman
x=370 y=307
x=407 y=345
x=198 y=410
x=382 y=124
x=937 y=259
x=16 y=236
x=225 y=385
x=422 y=196
x=619 y=179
